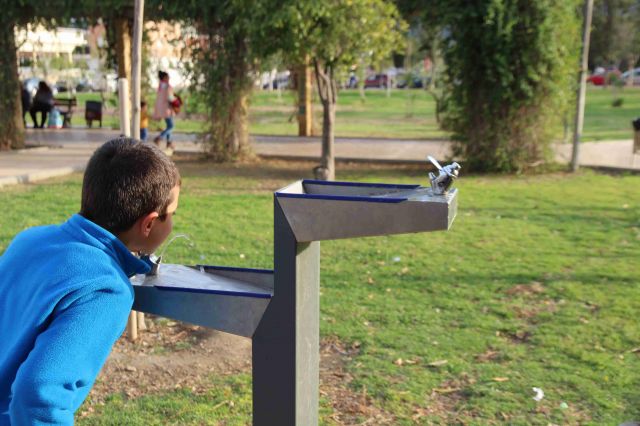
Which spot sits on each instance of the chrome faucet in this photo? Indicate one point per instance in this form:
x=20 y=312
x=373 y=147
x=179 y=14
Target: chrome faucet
x=153 y=261
x=440 y=184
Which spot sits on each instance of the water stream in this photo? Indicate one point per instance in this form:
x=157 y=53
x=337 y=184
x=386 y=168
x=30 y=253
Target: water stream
x=191 y=245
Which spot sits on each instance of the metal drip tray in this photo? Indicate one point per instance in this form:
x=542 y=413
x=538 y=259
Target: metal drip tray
x=321 y=210
x=192 y=279
x=227 y=299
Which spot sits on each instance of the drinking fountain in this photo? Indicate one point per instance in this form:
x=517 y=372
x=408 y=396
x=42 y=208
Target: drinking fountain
x=279 y=309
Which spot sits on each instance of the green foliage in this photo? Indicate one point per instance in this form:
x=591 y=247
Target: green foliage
x=332 y=34
x=232 y=37
x=340 y=32
x=510 y=68
x=614 y=35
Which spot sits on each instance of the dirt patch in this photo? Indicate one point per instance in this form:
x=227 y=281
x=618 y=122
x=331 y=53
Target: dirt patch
x=171 y=355
x=349 y=408
x=531 y=289
x=444 y=401
x=535 y=304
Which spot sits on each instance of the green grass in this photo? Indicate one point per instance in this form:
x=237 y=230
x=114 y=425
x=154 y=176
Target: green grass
x=604 y=121
x=405 y=114
x=536 y=284
x=226 y=403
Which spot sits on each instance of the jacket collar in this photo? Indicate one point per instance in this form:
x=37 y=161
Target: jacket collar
x=92 y=234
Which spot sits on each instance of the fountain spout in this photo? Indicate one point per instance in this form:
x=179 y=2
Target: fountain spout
x=153 y=261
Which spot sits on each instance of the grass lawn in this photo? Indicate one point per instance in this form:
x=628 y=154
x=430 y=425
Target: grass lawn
x=405 y=114
x=536 y=285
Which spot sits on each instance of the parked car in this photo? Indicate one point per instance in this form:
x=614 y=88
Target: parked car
x=279 y=81
x=62 y=86
x=405 y=81
x=636 y=76
x=84 y=85
x=602 y=76
x=376 y=80
x=597 y=79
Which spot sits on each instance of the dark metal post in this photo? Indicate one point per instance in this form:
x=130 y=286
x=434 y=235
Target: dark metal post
x=286 y=343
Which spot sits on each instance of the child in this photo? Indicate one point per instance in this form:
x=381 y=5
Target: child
x=144 y=121
x=65 y=293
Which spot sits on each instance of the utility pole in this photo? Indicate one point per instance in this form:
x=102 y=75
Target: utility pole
x=136 y=68
x=305 y=115
x=582 y=85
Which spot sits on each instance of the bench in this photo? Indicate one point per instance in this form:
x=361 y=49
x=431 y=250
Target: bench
x=66 y=106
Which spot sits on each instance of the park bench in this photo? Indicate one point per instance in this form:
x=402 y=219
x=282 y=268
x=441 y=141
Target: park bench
x=66 y=106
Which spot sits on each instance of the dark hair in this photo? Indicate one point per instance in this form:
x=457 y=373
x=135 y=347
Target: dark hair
x=125 y=180
x=162 y=75
x=143 y=104
x=43 y=87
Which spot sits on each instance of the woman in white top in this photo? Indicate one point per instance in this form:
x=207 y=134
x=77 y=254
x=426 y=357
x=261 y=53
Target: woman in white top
x=163 y=109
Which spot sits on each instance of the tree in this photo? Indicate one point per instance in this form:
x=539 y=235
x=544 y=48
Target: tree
x=615 y=39
x=232 y=37
x=19 y=13
x=11 y=126
x=508 y=64
x=334 y=34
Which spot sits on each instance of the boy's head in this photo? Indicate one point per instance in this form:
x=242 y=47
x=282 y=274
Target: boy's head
x=143 y=105
x=163 y=76
x=130 y=188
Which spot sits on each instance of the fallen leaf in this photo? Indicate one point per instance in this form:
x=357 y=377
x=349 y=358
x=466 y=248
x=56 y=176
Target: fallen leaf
x=446 y=390
x=438 y=363
x=500 y=379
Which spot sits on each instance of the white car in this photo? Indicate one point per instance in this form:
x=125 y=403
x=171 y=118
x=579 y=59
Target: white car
x=636 y=76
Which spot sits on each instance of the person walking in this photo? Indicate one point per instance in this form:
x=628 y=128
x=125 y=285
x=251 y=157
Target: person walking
x=164 y=110
x=43 y=103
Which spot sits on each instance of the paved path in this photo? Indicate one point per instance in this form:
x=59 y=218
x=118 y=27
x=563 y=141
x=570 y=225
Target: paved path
x=64 y=151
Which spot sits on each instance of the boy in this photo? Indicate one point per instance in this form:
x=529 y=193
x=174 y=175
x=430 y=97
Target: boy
x=65 y=293
x=144 y=121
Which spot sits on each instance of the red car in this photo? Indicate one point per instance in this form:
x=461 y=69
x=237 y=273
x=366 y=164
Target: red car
x=376 y=80
x=602 y=76
x=596 y=79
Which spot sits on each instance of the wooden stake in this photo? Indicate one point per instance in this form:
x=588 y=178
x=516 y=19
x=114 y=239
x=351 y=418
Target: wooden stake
x=140 y=321
x=132 y=326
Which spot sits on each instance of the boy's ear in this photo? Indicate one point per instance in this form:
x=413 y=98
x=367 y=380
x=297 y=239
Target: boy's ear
x=147 y=222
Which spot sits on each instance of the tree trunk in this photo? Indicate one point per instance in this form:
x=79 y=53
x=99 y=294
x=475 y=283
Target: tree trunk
x=11 y=124
x=123 y=48
x=328 y=139
x=328 y=92
x=239 y=142
x=362 y=75
x=224 y=67
x=631 y=67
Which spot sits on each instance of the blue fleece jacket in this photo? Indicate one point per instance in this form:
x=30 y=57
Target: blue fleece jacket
x=64 y=300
